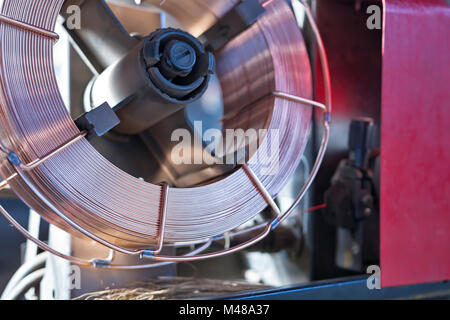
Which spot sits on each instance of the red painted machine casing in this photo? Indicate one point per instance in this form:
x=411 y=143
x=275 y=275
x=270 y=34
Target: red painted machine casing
x=415 y=143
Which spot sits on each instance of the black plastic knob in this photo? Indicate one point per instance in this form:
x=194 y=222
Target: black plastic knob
x=178 y=60
x=177 y=64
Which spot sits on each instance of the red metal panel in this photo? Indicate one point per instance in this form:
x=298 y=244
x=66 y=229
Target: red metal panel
x=415 y=165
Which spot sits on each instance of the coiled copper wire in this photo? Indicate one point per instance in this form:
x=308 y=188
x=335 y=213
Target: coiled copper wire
x=270 y=56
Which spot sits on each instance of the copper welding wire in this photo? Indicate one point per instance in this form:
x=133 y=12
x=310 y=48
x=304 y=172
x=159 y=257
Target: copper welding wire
x=89 y=190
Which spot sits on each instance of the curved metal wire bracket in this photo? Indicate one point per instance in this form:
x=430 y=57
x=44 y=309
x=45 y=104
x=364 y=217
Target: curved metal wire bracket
x=162 y=222
x=262 y=190
x=96 y=263
x=155 y=254
x=15 y=160
x=29 y=27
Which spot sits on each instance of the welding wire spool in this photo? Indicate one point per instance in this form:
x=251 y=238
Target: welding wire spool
x=112 y=205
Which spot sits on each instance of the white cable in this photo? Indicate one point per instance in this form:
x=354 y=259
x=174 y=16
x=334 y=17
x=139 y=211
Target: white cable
x=23 y=271
x=26 y=284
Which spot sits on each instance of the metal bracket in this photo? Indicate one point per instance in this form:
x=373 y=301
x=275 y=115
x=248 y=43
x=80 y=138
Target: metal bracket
x=162 y=222
x=262 y=190
x=15 y=160
x=98 y=121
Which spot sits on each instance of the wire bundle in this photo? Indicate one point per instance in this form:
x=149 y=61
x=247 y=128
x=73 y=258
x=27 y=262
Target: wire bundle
x=270 y=56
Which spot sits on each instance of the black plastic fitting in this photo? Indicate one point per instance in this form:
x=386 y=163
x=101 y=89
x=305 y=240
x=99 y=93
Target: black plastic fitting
x=177 y=64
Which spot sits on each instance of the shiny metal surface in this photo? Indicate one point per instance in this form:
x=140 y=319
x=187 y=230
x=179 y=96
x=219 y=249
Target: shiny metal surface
x=103 y=43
